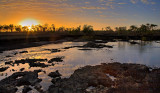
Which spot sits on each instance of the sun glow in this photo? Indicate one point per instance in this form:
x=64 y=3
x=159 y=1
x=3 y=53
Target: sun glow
x=29 y=22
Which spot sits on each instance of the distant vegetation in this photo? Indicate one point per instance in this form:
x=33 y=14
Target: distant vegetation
x=142 y=29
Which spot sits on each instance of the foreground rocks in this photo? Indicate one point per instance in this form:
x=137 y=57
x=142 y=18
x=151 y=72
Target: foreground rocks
x=110 y=78
x=2 y=69
x=9 y=84
x=57 y=59
x=104 y=78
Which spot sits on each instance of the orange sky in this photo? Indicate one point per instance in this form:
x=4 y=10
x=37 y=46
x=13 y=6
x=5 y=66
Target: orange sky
x=72 y=13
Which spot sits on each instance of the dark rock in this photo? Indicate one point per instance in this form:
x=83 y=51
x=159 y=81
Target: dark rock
x=84 y=49
x=8 y=56
x=15 y=53
x=133 y=42
x=32 y=62
x=94 y=45
x=54 y=74
x=9 y=63
x=110 y=78
x=22 y=69
x=38 y=87
x=53 y=50
x=18 y=79
x=38 y=64
x=57 y=59
x=68 y=47
x=3 y=69
x=13 y=70
x=26 y=89
x=23 y=52
x=8 y=89
x=23 y=61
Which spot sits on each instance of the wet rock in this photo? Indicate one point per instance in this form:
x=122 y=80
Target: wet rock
x=18 y=79
x=9 y=63
x=9 y=56
x=54 y=74
x=22 y=69
x=57 y=59
x=26 y=89
x=68 y=47
x=94 y=45
x=38 y=87
x=32 y=62
x=157 y=41
x=13 y=70
x=38 y=64
x=133 y=42
x=110 y=78
x=84 y=49
x=23 y=61
x=53 y=50
x=2 y=69
x=23 y=52
x=8 y=89
x=15 y=53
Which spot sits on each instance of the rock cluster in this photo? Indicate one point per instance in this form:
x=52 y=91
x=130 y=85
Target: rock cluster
x=128 y=78
x=9 y=84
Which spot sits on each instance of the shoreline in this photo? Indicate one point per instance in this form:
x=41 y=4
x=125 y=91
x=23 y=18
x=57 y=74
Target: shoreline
x=11 y=41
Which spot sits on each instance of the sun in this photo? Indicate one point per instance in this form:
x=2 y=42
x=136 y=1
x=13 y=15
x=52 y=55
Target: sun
x=29 y=22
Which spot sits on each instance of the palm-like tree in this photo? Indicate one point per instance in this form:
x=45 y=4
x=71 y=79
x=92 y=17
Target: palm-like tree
x=152 y=26
x=133 y=28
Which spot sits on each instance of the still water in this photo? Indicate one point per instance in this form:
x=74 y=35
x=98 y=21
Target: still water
x=147 y=53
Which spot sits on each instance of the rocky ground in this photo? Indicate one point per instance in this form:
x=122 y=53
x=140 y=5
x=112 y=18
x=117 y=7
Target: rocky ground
x=110 y=78
x=104 y=78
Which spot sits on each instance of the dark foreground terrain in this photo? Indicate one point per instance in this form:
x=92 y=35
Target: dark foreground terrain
x=104 y=78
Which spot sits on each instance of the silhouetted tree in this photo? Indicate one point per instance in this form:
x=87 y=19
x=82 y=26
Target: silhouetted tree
x=6 y=27
x=133 y=28
x=25 y=28
x=121 y=28
x=152 y=26
x=11 y=27
x=87 y=28
x=61 y=29
x=143 y=28
x=18 y=28
x=108 y=28
x=53 y=27
x=78 y=29
x=40 y=27
x=1 y=27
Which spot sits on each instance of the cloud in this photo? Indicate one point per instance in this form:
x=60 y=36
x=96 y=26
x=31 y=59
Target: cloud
x=87 y=2
x=142 y=1
x=133 y=1
x=145 y=1
x=94 y=7
x=121 y=3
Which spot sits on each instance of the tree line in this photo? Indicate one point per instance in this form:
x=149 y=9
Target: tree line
x=86 y=28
